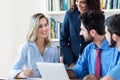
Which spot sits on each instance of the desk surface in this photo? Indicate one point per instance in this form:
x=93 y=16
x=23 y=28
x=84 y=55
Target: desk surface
x=21 y=79
x=32 y=79
x=29 y=79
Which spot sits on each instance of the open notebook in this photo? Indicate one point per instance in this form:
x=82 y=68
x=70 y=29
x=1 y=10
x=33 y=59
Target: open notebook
x=52 y=71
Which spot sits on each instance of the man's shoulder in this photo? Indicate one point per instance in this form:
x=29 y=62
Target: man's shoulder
x=90 y=45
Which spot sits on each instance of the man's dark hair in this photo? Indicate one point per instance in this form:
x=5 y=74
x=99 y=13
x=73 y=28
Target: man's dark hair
x=113 y=24
x=94 y=19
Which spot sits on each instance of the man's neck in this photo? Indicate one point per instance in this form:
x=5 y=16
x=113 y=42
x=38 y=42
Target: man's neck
x=118 y=46
x=118 y=43
x=98 y=40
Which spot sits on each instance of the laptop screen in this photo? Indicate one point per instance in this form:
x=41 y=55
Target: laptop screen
x=52 y=71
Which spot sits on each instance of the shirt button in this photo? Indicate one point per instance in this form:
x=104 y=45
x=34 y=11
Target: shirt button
x=80 y=44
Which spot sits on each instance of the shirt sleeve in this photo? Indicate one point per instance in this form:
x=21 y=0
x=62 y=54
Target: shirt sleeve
x=115 y=72
x=19 y=62
x=57 y=55
x=81 y=66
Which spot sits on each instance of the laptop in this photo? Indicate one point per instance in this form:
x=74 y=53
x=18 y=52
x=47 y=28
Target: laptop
x=52 y=71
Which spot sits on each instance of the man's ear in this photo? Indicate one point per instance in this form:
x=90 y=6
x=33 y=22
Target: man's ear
x=114 y=37
x=92 y=32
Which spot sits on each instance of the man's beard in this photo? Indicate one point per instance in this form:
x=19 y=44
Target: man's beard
x=112 y=43
x=89 y=39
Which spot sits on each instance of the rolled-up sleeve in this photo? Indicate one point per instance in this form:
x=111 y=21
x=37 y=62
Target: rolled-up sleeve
x=81 y=67
x=18 y=65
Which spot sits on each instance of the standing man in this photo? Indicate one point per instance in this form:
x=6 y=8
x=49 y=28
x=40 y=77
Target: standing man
x=98 y=59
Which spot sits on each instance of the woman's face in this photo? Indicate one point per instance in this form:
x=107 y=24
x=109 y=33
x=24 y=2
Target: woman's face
x=43 y=29
x=82 y=6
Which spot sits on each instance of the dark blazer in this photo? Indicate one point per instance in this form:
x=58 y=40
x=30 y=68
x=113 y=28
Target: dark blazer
x=71 y=43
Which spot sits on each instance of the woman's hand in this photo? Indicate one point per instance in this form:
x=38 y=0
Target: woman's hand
x=28 y=72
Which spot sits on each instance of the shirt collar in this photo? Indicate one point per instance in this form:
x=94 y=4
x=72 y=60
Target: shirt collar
x=35 y=45
x=104 y=45
x=32 y=44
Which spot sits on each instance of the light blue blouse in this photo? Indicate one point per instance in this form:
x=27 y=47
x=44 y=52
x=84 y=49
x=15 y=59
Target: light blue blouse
x=86 y=63
x=28 y=55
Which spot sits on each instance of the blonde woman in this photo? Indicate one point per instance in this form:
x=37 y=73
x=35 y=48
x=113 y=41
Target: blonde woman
x=37 y=48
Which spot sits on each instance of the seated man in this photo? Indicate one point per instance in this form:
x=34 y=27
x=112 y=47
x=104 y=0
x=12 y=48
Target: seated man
x=98 y=58
x=113 y=34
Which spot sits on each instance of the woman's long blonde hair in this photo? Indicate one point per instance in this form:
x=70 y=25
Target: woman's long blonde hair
x=34 y=25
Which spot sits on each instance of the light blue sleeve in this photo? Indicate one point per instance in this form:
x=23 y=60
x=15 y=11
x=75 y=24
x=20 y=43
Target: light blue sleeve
x=19 y=62
x=115 y=72
x=56 y=54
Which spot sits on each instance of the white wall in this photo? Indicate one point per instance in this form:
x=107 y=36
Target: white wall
x=14 y=18
x=6 y=37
